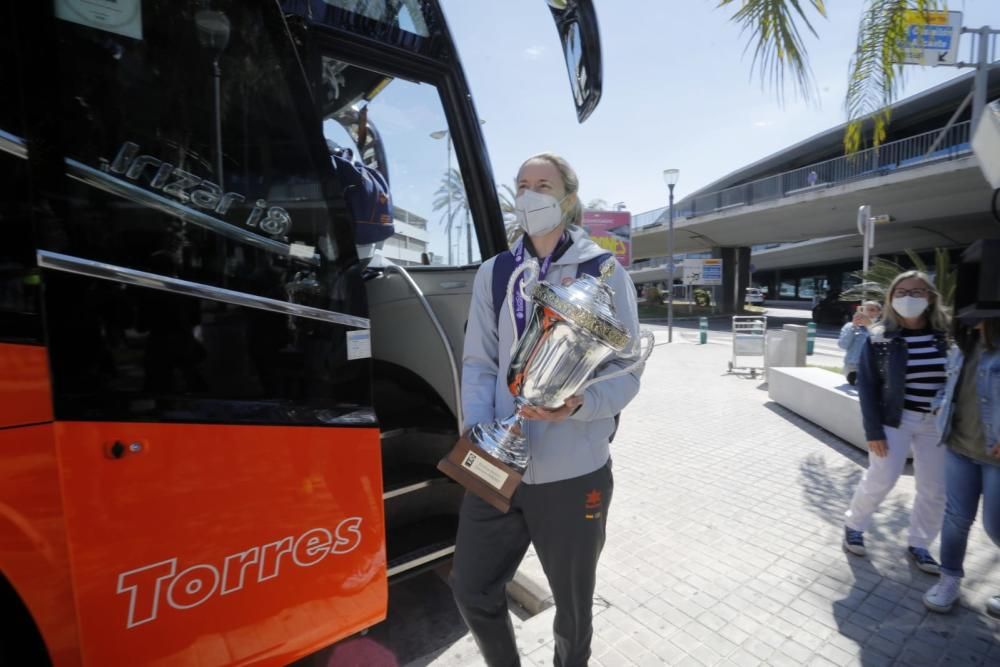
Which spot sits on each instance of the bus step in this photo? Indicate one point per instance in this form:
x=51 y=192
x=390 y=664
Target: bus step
x=420 y=546
x=417 y=432
x=409 y=479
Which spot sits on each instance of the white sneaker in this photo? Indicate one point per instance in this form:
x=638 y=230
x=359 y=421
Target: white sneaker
x=942 y=595
x=993 y=606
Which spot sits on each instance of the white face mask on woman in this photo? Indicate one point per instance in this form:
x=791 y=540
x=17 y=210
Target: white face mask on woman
x=537 y=213
x=909 y=306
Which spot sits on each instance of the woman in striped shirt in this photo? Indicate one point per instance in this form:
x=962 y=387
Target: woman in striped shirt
x=901 y=370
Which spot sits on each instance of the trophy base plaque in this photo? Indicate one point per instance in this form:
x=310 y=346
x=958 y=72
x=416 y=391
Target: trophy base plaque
x=481 y=474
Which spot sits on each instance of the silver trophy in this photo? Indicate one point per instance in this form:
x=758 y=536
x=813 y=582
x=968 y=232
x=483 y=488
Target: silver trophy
x=572 y=330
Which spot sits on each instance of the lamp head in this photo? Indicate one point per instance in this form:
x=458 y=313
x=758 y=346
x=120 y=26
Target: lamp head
x=670 y=176
x=213 y=29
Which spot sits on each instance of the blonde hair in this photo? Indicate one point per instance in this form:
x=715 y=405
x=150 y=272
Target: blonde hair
x=571 y=183
x=937 y=313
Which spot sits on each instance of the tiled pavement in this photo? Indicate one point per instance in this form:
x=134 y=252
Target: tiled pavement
x=724 y=542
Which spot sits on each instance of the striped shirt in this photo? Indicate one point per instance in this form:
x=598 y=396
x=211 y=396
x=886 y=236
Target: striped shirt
x=925 y=370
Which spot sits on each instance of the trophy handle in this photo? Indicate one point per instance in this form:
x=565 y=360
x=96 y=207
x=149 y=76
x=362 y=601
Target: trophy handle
x=650 y=339
x=530 y=269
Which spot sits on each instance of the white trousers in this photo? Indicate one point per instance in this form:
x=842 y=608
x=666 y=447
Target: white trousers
x=917 y=432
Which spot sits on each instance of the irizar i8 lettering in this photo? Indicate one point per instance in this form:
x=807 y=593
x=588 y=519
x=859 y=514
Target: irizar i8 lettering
x=189 y=188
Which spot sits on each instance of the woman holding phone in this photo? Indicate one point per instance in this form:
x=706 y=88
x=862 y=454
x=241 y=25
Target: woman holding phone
x=854 y=335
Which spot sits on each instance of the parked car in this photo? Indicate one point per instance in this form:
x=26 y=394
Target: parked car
x=754 y=296
x=831 y=310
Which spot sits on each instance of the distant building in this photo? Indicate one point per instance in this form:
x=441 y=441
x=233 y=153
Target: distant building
x=410 y=240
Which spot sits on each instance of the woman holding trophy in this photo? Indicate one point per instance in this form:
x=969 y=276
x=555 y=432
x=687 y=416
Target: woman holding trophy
x=560 y=505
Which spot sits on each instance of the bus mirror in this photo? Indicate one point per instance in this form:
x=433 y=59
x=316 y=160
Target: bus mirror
x=576 y=22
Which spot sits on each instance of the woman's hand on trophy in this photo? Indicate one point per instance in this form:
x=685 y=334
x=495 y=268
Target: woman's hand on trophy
x=556 y=415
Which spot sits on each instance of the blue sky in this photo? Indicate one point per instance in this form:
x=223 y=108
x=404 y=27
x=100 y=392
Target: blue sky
x=678 y=90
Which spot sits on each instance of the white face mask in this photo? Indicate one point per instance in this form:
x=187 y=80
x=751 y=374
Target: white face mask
x=537 y=213
x=909 y=306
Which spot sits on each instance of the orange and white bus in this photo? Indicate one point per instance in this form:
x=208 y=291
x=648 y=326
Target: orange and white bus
x=219 y=418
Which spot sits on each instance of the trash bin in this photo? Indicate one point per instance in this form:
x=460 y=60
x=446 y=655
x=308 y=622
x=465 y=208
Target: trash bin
x=781 y=349
x=800 y=331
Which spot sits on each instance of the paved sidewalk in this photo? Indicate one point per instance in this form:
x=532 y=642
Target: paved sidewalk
x=724 y=542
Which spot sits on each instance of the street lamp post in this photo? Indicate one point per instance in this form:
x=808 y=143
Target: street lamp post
x=444 y=134
x=213 y=34
x=670 y=176
x=441 y=134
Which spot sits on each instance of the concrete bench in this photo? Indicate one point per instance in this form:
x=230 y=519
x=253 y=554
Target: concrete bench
x=821 y=396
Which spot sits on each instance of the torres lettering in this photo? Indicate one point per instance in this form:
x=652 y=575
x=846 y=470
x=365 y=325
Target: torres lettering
x=151 y=587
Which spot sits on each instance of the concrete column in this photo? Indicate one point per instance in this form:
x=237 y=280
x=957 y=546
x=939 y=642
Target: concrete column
x=735 y=277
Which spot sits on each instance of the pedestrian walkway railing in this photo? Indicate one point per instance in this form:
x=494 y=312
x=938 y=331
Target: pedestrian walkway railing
x=919 y=149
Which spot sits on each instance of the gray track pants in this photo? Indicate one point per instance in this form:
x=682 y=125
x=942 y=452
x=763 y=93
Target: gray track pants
x=566 y=522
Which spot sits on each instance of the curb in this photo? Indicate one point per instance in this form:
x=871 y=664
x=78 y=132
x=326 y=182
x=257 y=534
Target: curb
x=527 y=592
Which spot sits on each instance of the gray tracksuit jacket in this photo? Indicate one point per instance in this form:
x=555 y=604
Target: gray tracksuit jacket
x=578 y=445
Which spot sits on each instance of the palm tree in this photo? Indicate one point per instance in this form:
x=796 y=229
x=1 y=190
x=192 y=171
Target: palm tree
x=507 y=197
x=773 y=26
x=450 y=196
x=874 y=283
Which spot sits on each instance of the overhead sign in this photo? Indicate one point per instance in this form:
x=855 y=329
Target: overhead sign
x=612 y=230
x=702 y=272
x=931 y=37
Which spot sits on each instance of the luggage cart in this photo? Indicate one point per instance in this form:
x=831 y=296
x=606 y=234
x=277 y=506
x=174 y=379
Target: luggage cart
x=748 y=343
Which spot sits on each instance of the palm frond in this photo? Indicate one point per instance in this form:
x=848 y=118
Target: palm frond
x=507 y=198
x=873 y=283
x=773 y=28
x=876 y=72
x=945 y=276
x=918 y=263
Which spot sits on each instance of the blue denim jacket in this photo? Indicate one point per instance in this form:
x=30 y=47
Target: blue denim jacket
x=882 y=379
x=852 y=338
x=987 y=389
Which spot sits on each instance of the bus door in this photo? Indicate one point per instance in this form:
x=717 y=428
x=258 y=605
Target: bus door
x=389 y=85
x=390 y=91
x=208 y=337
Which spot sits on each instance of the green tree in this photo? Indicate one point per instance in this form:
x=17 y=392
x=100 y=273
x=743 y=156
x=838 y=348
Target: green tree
x=597 y=205
x=875 y=71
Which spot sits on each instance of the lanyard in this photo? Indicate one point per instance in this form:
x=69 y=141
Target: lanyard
x=519 y=305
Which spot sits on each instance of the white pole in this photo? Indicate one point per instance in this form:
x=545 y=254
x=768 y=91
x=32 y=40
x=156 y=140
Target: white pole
x=448 y=185
x=867 y=245
x=981 y=77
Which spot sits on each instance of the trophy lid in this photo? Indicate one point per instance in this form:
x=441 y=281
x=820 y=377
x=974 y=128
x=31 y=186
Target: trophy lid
x=587 y=304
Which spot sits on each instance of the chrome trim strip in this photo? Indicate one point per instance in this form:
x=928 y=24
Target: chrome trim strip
x=389 y=267
x=417 y=562
x=120 y=274
x=410 y=488
x=102 y=181
x=13 y=144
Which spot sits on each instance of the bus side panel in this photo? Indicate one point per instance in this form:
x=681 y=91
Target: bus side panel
x=33 y=554
x=25 y=396
x=218 y=544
